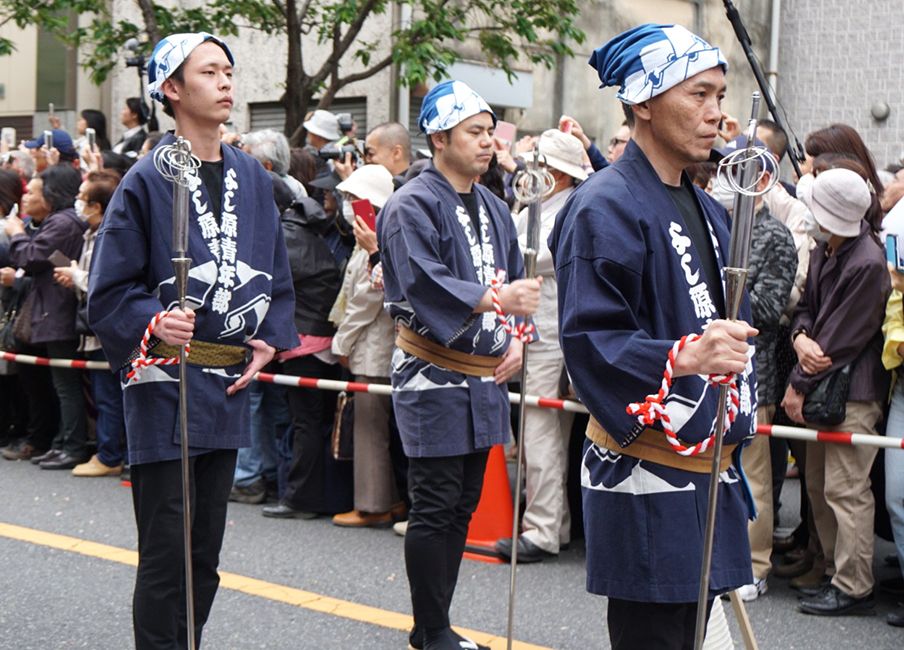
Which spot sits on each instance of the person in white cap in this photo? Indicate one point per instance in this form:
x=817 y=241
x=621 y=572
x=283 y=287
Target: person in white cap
x=547 y=523
x=444 y=241
x=240 y=306
x=364 y=344
x=837 y=328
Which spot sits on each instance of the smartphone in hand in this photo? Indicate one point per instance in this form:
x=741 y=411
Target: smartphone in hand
x=48 y=140
x=892 y=254
x=59 y=259
x=363 y=208
x=92 y=138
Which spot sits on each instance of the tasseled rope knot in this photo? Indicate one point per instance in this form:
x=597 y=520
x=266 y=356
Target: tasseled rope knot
x=653 y=407
x=143 y=361
x=522 y=332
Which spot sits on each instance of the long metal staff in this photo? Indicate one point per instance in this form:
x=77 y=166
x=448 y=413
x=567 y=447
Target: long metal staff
x=530 y=186
x=176 y=163
x=740 y=172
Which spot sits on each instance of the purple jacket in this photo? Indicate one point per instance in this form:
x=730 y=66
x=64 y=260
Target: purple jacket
x=54 y=306
x=842 y=309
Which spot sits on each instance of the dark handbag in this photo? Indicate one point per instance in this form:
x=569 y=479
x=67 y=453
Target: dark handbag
x=22 y=326
x=342 y=441
x=81 y=320
x=825 y=404
x=7 y=324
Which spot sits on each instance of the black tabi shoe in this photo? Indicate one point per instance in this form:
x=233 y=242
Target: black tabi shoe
x=528 y=552
x=282 y=511
x=834 y=602
x=447 y=639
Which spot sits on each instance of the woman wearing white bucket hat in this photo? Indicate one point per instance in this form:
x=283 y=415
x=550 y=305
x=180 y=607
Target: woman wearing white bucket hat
x=837 y=324
x=364 y=343
x=547 y=522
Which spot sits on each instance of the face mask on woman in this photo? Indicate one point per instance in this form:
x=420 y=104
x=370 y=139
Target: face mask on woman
x=348 y=212
x=80 y=209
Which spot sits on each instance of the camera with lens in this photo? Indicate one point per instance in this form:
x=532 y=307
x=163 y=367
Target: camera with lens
x=346 y=123
x=335 y=151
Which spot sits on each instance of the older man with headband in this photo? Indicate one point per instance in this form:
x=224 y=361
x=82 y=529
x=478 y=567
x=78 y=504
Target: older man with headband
x=639 y=254
x=240 y=306
x=444 y=241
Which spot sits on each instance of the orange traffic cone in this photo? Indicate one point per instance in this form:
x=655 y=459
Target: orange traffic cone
x=493 y=518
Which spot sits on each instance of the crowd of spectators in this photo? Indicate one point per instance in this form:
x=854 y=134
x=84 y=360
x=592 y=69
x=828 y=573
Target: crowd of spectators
x=826 y=304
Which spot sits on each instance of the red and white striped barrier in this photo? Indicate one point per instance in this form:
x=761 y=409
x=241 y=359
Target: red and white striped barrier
x=776 y=431
x=836 y=437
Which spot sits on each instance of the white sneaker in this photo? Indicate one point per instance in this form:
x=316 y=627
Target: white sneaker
x=750 y=593
x=400 y=528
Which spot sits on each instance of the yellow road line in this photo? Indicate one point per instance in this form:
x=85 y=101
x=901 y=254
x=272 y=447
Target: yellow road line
x=253 y=587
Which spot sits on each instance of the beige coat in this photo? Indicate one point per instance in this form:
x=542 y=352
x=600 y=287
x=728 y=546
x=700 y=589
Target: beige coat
x=366 y=333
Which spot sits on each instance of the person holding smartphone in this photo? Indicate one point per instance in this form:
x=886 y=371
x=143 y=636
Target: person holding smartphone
x=364 y=344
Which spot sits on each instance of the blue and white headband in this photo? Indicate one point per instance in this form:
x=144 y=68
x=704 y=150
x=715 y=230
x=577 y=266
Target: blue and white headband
x=650 y=59
x=170 y=53
x=448 y=105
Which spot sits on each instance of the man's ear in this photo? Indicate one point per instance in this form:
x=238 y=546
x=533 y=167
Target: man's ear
x=439 y=140
x=642 y=111
x=171 y=90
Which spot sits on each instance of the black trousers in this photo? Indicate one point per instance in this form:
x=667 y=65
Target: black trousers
x=648 y=626
x=312 y=413
x=444 y=494
x=158 y=604
x=40 y=399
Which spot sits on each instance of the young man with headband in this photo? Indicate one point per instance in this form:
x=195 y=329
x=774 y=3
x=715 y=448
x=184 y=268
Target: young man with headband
x=444 y=241
x=240 y=307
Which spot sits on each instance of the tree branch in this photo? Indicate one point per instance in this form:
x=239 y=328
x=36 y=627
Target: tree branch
x=281 y=7
x=342 y=45
x=364 y=74
x=150 y=21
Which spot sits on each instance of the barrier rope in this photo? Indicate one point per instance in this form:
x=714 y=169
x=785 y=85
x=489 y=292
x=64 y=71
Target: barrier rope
x=143 y=361
x=776 y=431
x=521 y=331
x=653 y=408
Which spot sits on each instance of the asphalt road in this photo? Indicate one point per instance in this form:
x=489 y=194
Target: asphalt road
x=56 y=598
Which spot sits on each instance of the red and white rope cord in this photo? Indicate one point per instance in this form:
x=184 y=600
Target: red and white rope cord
x=653 y=407
x=522 y=331
x=143 y=361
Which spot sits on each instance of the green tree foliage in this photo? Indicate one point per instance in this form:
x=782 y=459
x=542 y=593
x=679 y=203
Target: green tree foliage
x=508 y=32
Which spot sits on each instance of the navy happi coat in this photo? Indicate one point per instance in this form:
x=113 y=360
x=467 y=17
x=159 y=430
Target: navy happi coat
x=239 y=286
x=436 y=269
x=631 y=284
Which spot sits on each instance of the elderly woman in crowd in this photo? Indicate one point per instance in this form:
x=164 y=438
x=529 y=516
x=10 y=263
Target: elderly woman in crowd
x=837 y=331
x=58 y=236
x=364 y=344
x=93 y=197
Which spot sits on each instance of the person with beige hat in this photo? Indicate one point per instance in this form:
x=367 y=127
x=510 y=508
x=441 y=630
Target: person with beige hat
x=546 y=526
x=837 y=326
x=364 y=342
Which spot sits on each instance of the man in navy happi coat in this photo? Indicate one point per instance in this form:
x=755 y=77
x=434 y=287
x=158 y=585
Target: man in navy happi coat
x=443 y=239
x=239 y=300
x=639 y=254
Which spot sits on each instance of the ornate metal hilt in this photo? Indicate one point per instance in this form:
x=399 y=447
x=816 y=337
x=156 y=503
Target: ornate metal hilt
x=533 y=183
x=176 y=163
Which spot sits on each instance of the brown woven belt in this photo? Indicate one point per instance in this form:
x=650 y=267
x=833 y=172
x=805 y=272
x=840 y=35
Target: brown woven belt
x=439 y=355
x=204 y=354
x=652 y=446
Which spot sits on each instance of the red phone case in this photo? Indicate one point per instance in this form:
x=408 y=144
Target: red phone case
x=363 y=208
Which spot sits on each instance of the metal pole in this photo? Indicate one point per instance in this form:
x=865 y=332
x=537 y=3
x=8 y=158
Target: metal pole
x=735 y=280
x=175 y=163
x=535 y=185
